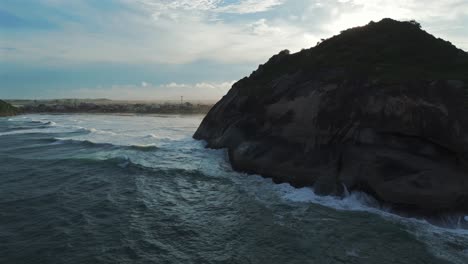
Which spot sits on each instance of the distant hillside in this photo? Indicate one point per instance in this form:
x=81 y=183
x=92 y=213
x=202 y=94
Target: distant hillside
x=7 y=109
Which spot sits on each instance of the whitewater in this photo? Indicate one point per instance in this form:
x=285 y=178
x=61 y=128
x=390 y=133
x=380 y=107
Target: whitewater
x=139 y=189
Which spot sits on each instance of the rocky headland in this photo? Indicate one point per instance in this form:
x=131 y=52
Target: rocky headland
x=7 y=109
x=380 y=109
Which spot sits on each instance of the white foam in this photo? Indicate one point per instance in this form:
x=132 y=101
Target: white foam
x=126 y=161
x=435 y=237
x=151 y=136
x=33 y=131
x=353 y=253
x=43 y=121
x=98 y=131
x=356 y=201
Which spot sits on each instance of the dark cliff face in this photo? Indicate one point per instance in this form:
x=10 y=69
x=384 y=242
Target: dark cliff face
x=7 y=109
x=380 y=108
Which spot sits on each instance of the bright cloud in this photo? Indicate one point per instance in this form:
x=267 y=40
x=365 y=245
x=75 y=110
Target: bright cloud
x=250 y=6
x=359 y=12
x=240 y=7
x=183 y=31
x=181 y=4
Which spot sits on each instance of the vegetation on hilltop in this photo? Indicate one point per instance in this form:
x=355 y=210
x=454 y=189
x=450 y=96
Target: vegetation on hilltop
x=7 y=109
x=388 y=50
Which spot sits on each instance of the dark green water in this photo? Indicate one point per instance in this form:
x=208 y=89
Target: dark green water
x=138 y=189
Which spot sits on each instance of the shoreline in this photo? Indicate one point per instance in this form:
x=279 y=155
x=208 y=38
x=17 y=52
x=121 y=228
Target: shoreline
x=108 y=113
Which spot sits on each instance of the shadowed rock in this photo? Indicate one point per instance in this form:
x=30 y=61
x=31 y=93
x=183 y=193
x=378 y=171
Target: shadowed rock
x=380 y=108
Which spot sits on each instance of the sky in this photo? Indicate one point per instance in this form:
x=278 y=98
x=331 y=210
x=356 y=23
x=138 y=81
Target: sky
x=162 y=49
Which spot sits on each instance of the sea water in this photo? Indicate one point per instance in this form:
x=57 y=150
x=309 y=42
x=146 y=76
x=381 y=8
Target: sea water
x=139 y=189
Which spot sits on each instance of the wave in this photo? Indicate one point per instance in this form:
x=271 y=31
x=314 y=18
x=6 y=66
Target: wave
x=43 y=130
x=13 y=128
x=49 y=123
x=23 y=131
x=84 y=143
x=82 y=131
x=161 y=138
x=98 y=131
x=144 y=147
x=355 y=201
x=359 y=201
x=52 y=127
x=35 y=126
x=151 y=136
x=91 y=144
x=440 y=236
x=121 y=161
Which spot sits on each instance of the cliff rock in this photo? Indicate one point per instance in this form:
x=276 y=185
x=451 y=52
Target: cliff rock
x=380 y=108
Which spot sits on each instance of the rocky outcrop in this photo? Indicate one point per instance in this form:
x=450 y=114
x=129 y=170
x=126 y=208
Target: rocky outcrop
x=7 y=109
x=362 y=123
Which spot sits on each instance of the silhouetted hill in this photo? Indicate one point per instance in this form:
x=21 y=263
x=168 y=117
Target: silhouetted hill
x=389 y=50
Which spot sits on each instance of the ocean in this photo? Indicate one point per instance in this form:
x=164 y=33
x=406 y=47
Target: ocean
x=139 y=189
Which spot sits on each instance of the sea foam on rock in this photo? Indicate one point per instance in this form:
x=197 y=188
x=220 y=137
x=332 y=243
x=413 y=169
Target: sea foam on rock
x=380 y=109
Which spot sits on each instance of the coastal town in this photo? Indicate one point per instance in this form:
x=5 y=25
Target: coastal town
x=111 y=106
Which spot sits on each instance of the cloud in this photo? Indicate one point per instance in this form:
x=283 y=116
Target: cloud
x=219 y=6
x=441 y=18
x=353 y=12
x=250 y=6
x=164 y=5
x=184 y=31
x=173 y=9
x=176 y=37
